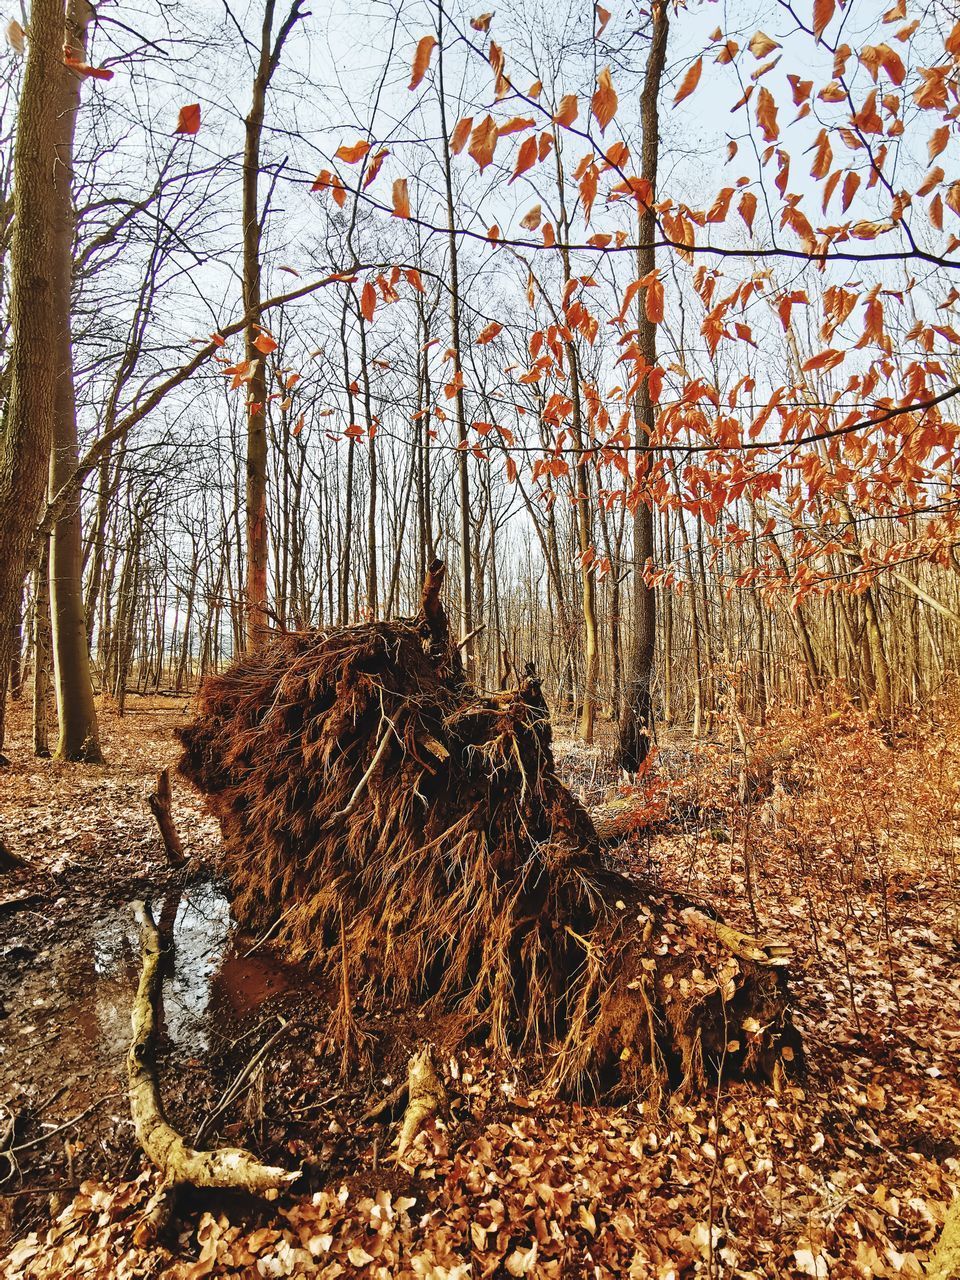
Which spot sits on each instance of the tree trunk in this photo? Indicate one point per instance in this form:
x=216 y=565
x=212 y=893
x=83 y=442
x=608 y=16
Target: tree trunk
x=256 y=387
x=256 y=407
x=463 y=475
x=27 y=427
x=373 y=587
x=636 y=723
x=76 y=710
x=346 y=541
x=41 y=659
x=16 y=652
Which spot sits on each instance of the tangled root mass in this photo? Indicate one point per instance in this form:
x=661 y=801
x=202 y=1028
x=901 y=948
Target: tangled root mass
x=409 y=837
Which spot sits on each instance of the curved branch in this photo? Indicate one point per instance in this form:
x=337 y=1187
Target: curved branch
x=167 y=1149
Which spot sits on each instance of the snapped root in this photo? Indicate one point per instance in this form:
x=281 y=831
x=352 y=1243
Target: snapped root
x=160 y=803
x=426 y=1098
x=168 y=1150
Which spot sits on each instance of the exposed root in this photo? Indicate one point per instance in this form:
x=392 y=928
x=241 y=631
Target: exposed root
x=179 y=1163
x=426 y=1097
x=410 y=838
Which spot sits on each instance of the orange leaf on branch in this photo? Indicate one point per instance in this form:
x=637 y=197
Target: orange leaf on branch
x=850 y=184
x=828 y=359
x=690 y=81
x=461 y=132
x=604 y=104
x=516 y=125
x=823 y=11
x=188 y=119
x=421 y=60
x=653 y=303
x=526 y=158
x=368 y=301
x=483 y=142
x=747 y=208
x=761 y=45
x=531 y=220
x=401 y=199
x=938 y=141
x=568 y=111
x=374 y=167
x=767 y=115
x=497 y=62
x=76 y=63
x=352 y=154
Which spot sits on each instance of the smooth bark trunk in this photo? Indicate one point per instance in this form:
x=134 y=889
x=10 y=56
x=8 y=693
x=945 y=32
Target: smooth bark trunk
x=636 y=723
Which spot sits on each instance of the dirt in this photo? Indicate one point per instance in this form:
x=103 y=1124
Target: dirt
x=845 y=1177
x=69 y=966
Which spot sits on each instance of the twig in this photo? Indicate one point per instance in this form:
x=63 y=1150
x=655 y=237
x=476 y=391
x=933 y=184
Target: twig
x=232 y=1090
x=67 y=1124
x=275 y=925
x=462 y=644
x=361 y=785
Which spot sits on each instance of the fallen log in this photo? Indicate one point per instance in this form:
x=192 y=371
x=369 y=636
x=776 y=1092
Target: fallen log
x=618 y=818
x=409 y=837
x=179 y=1163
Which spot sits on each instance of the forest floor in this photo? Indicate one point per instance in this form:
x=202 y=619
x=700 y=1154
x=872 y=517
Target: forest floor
x=838 y=842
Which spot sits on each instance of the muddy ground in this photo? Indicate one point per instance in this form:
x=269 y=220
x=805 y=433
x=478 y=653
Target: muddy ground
x=845 y=1177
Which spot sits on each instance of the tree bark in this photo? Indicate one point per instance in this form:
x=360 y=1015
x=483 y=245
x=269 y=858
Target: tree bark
x=79 y=737
x=636 y=723
x=26 y=432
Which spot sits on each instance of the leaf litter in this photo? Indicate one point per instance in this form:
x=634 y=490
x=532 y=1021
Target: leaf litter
x=846 y=847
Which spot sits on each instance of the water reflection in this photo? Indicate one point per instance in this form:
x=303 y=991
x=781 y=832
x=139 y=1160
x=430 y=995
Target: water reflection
x=68 y=1004
x=201 y=932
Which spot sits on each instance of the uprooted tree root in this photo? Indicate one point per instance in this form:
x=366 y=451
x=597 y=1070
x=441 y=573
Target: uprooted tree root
x=179 y=1163
x=410 y=838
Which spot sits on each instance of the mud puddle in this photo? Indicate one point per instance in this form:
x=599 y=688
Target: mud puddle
x=66 y=987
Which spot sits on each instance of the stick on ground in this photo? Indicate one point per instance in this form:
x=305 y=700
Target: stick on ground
x=159 y=801
x=167 y=1149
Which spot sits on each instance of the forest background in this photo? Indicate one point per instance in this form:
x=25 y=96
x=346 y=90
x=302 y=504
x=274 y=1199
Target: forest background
x=682 y=439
